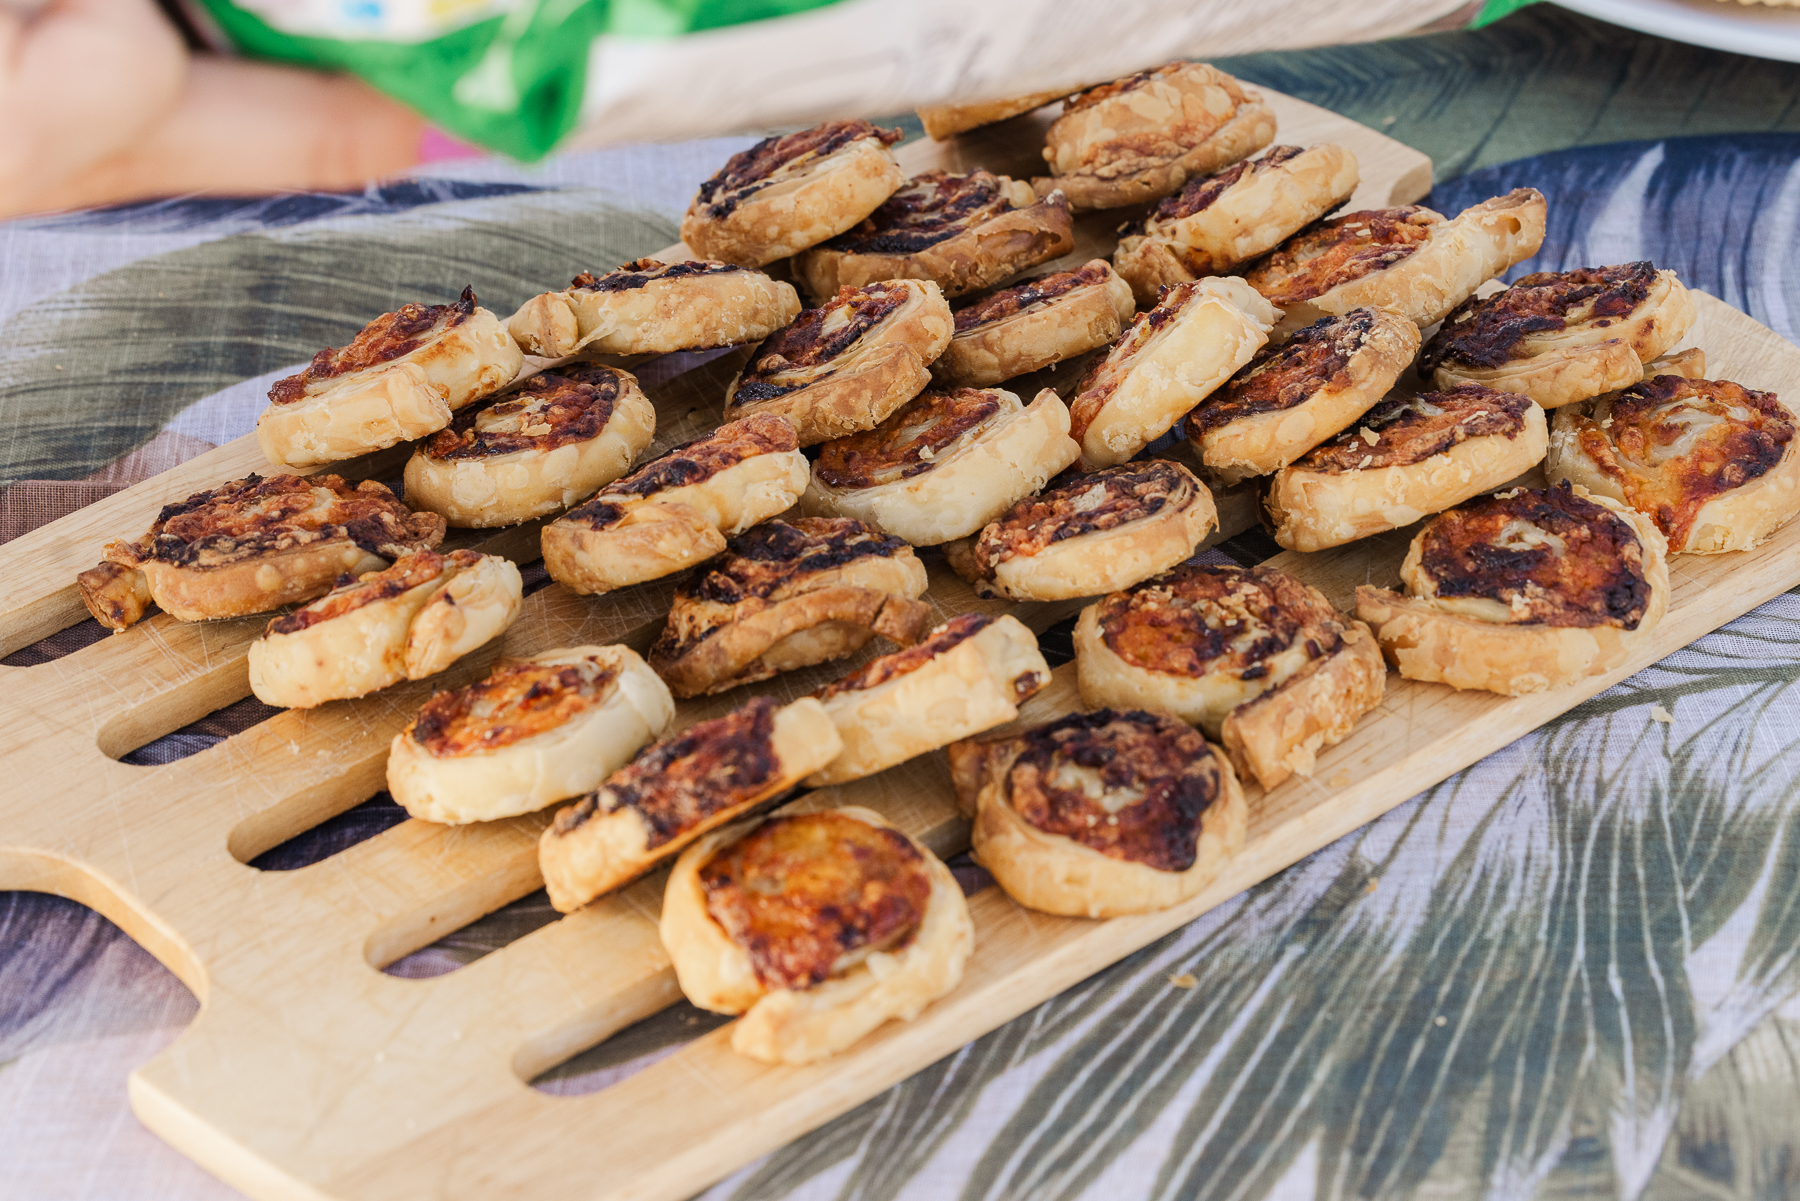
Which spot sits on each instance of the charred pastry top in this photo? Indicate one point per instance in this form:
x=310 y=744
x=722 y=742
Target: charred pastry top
x=926 y=210
x=1195 y=621
x=1486 y=332
x=1130 y=785
x=809 y=894
x=628 y=277
x=513 y=704
x=570 y=404
x=1083 y=503
x=816 y=337
x=1675 y=443
x=382 y=340
x=1280 y=377
x=749 y=171
x=680 y=782
x=350 y=593
x=1036 y=293
x=1402 y=431
x=1199 y=194
x=910 y=442
x=945 y=638
x=1338 y=250
x=766 y=557
x=1552 y=557
x=254 y=517
x=692 y=463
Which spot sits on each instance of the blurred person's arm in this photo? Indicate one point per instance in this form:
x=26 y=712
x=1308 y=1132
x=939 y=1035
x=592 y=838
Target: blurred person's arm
x=100 y=101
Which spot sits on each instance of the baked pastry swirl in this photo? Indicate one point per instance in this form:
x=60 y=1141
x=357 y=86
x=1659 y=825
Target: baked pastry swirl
x=793 y=191
x=848 y=364
x=677 y=510
x=1407 y=457
x=530 y=452
x=1090 y=533
x=1714 y=464
x=711 y=773
x=1217 y=221
x=1562 y=336
x=942 y=121
x=1101 y=814
x=1260 y=661
x=399 y=379
x=1409 y=260
x=1523 y=591
x=944 y=465
x=965 y=232
x=406 y=623
x=252 y=545
x=1173 y=357
x=651 y=307
x=1140 y=138
x=1037 y=323
x=536 y=731
x=968 y=675
x=788 y=595
x=1291 y=397
x=816 y=927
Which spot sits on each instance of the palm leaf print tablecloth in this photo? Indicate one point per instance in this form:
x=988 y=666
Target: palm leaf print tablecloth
x=1570 y=971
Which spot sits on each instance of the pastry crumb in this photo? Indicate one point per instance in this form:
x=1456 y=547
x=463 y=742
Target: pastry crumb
x=1660 y=714
x=1183 y=980
x=1374 y=883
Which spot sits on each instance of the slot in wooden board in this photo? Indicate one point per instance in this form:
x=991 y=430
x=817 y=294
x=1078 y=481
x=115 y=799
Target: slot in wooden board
x=310 y=1074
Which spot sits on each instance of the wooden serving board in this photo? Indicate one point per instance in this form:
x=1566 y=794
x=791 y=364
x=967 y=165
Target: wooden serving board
x=311 y=1074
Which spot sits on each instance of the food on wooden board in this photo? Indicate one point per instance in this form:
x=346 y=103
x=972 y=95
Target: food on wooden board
x=947 y=120
x=650 y=307
x=1034 y=324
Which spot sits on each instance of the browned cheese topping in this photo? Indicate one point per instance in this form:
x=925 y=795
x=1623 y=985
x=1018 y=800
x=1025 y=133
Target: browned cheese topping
x=1032 y=294
x=1486 y=332
x=1120 y=154
x=1281 y=377
x=1202 y=193
x=513 y=704
x=926 y=210
x=350 y=593
x=1104 y=377
x=809 y=894
x=909 y=443
x=815 y=338
x=254 y=517
x=679 y=783
x=382 y=340
x=941 y=641
x=1194 y=621
x=1403 y=431
x=1553 y=557
x=749 y=171
x=559 y=407
x=1118 y=87
x=1338 y=250
x=633 y=275
x=693 y=463
x=1131 y=785
x=1675 y=443
x=1084 y=503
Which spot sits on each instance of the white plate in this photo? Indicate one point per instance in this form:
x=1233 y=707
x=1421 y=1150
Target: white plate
x=1754 y=29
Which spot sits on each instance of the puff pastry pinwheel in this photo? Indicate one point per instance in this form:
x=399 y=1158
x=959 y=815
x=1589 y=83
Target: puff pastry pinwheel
x=966 y=232
x=1218 y=221
x=1101 y=814
x=1293 y=396
x=535 y=450
x=1173 y=357
x=406 y=623
x=793 y=191
x=1090 y=533
x=651 y=307
x=535 y=731
x=788 y=595
x=816 y=927
x=1035 y=324
x=846 y=365
x=1407 y=457
x=1714 y=464
x=1409 y=260
x=711 y=773
x=1562 y=336
x=678 y=509
x=1141 y=137
x=399 y=379
x=252 y=545
x=1254 y=657
x=1523 y=591
x=945 y=464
